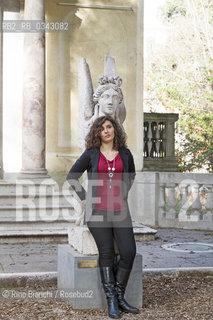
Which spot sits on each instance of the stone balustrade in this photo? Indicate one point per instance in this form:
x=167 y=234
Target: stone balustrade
x=185 y=202
x=159 y=142
x=173 y=199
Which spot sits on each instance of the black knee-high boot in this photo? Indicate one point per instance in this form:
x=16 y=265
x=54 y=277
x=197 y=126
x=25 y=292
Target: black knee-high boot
x=122 y=277
x=108 y=280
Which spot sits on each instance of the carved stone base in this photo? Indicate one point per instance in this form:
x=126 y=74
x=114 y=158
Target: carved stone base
x=169 y=164
x=38 y=174
x=82 y=240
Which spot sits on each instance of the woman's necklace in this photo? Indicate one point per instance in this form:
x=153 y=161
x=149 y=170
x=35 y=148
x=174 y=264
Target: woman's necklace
x=110 y=171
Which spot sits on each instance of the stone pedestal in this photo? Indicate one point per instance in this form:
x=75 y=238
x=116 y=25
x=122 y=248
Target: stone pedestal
x=82 y=240
x=79 y=281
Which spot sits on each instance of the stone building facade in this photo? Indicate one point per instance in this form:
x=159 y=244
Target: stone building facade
x=48 y=108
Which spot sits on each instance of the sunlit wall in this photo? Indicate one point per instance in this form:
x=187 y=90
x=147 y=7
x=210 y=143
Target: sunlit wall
x=12 y=97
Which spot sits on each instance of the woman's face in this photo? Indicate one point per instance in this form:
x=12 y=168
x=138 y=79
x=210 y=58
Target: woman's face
x=107 y=132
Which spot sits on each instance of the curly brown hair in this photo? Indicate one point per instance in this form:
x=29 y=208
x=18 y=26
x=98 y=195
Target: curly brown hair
x=93 y=137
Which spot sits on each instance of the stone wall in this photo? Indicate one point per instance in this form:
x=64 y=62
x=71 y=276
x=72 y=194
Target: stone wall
x=94 y=33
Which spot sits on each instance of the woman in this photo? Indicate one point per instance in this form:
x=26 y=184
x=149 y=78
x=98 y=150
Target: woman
x=111 y=172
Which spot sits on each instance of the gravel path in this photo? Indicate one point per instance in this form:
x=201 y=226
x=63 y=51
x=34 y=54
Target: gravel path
x=185 y=297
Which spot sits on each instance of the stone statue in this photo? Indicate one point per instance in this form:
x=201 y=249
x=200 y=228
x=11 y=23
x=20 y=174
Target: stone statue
x=106 y=100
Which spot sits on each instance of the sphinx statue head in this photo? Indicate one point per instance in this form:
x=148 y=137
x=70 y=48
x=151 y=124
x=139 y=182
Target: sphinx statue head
x=108 y=96
x=106 y=100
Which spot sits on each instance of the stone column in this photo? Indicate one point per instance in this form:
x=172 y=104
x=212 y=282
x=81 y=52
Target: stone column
x=1 y=107
x=170 y=138
x=33 y=134
x=139 y=88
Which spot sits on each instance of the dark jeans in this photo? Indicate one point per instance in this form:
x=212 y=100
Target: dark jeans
x=113 y=226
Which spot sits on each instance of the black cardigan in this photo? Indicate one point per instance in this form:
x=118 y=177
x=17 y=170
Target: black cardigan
x=89 y=161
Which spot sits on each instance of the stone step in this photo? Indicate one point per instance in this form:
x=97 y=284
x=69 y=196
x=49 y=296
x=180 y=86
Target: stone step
x=13 y=184
x=33 y=213
x=143 y=233
x=41 y=233
x=38 y=226
x=62 y=231
x=33 y=188
x=13 y=199
x=44 y=217
x=50 y=231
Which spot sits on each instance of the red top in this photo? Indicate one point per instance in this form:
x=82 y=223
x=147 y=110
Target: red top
x=109 y=195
